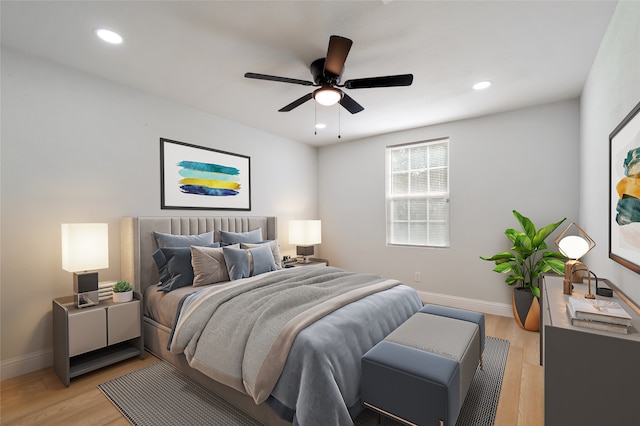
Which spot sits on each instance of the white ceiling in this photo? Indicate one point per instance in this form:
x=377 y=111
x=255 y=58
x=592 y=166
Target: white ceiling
x=196 y=53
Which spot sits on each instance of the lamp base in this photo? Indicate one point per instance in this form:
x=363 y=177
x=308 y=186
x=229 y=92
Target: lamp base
x=303 y=253
x=85 y=281
x=86 y=299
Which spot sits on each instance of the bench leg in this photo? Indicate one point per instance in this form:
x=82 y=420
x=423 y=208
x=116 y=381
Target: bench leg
x=481 y=362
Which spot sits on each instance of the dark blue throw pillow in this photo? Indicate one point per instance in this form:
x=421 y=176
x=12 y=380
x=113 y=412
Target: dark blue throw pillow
x=174 y=267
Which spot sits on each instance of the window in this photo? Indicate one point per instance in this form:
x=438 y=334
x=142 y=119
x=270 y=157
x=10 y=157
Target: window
x=418 y=194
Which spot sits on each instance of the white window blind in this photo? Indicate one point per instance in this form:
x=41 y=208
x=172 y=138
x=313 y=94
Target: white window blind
x=417 y=194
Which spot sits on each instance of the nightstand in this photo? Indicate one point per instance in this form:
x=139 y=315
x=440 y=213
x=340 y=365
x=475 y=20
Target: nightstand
x=90 y=338
x=311 y=262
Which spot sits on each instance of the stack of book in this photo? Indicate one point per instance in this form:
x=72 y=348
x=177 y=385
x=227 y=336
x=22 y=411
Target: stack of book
x=105 y=289
x=598 y=314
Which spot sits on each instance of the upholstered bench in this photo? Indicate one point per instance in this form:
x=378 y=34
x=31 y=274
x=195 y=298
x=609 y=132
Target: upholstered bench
x=421 y=372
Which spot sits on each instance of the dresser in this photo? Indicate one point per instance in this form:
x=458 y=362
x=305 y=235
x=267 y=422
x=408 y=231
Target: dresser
x=591 y=377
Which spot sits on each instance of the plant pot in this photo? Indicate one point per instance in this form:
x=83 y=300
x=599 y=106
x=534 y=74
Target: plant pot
x=526 y=309
x=125 y=296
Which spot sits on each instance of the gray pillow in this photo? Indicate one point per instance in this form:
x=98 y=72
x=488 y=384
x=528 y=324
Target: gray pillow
x=275 y=249
x=244 y=263
x=209 y=266
x=171 y=240
x=254 y=236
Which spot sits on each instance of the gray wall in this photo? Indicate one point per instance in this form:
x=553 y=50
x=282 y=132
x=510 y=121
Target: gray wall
x=81 y=149
x=611 y=92
x=518 y=160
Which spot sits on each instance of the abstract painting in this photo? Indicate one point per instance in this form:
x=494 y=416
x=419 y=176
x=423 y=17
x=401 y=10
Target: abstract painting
x=624 y=192
x=196 y=177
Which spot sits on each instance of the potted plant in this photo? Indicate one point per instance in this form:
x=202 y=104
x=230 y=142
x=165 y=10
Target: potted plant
x=122 y=292
x=526 y=261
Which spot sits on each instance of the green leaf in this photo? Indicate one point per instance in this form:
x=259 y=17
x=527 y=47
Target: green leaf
x=522 y=244
x=527 y=225
x=511 y=280
x=554 y=255
x=543 y=233
x=536 y=291
x=512 y=234
x=503 y=268
x=507 y=255
x=555 y=265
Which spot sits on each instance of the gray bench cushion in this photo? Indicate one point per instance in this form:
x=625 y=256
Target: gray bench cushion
x=461 y=314
x=442 y=336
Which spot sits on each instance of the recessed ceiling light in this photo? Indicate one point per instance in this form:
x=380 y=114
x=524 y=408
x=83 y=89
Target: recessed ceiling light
x=320 y=126
x=109 y=36
x=482 y=85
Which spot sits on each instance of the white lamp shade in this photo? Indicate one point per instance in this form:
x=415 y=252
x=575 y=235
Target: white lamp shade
x=305 y=232
x=85 y=246
x=573 y=246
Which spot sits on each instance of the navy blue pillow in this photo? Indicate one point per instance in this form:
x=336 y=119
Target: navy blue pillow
x=174 y=267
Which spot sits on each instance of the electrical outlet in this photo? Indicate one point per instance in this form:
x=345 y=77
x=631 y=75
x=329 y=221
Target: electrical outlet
x=417 y=277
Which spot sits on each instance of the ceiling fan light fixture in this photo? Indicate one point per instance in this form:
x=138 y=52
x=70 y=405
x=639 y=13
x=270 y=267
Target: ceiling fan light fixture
x=327 y=95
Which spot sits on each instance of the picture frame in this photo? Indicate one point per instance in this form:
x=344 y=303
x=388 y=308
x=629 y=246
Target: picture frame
x=201 y=178
x=624 y=192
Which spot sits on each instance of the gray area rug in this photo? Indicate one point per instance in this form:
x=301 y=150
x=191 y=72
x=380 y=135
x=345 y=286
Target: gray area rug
x=160 y=395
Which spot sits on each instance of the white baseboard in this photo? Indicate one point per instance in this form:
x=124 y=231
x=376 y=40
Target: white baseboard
x=27 y=363
x=502 y=309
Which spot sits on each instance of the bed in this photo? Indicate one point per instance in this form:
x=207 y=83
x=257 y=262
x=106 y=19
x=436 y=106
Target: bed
x=305 y=369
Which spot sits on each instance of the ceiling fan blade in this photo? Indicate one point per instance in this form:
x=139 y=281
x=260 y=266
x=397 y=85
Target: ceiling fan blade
x=276 y=78
x=296 y=103
x=350 y=105
x=337 y=54
x=386 y=81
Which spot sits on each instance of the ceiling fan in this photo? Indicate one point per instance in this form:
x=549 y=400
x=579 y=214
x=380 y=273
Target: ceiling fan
x=326 y=74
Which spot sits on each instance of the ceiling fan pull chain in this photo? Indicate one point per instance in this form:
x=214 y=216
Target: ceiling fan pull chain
x=339 y=126
x=315 y=118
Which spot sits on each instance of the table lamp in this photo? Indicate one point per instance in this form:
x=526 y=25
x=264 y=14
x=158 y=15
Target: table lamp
x=574 y=243
x=304 y=234
x=85 y=248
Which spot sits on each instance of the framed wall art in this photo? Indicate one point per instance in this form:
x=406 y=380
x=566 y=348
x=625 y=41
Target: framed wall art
x=624 y=192
x=195 y=177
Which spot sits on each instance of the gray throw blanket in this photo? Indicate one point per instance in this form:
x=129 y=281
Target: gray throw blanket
x=241 y=336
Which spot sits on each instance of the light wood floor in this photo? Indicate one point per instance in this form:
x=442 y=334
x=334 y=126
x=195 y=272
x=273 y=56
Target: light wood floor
x=39 y=398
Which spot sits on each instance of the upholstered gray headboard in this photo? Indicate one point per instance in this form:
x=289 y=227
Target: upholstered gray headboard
x=138 y=244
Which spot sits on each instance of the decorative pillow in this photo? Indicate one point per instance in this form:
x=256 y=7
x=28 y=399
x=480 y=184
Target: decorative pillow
x=174 y=267
x=209 y=266
x=254 y=236
x=275 y=249
x=244 y=263
x=171 y=240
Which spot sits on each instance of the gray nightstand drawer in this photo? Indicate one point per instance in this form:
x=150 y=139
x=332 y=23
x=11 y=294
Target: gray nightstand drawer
x=87 y=331
x=124 y=321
